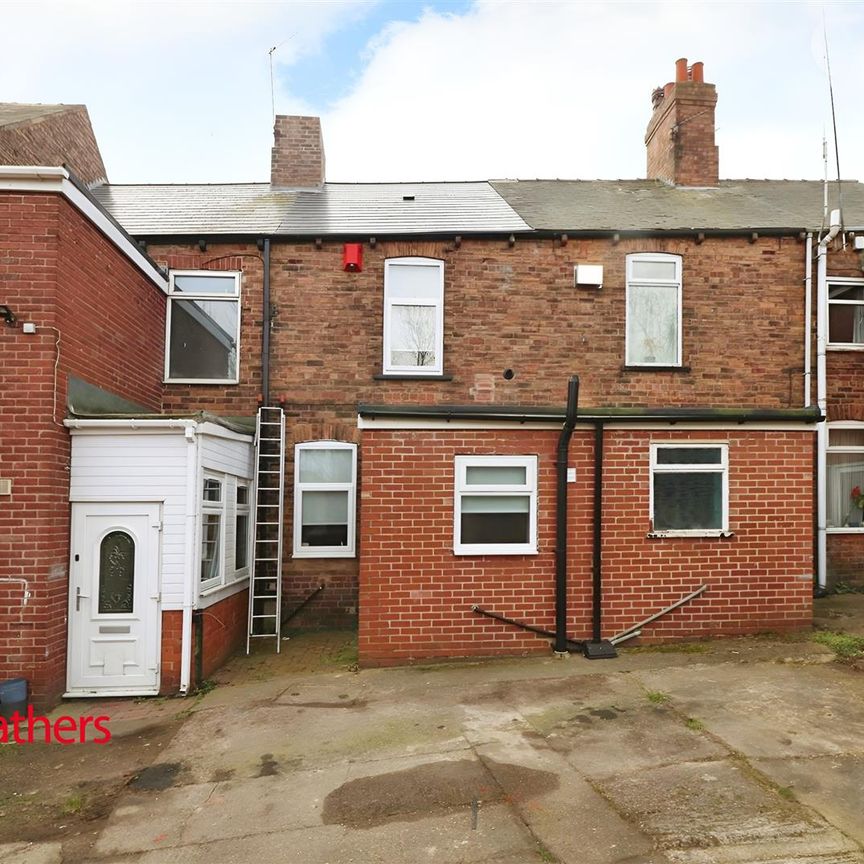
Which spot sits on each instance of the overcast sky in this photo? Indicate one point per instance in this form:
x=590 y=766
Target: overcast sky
x=180 y=91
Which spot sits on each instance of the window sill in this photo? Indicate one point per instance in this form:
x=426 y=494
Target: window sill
x=845 y=347
x=626 y=368
x=324 y=553
x=200 y=381
x=478 y=551
x=402 y=376
x=846 y=529
x=660 y=535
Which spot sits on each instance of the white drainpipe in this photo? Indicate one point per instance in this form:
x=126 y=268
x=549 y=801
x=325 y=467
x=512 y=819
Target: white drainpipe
x=822 y=398
x=193 y=471
x=808 y=317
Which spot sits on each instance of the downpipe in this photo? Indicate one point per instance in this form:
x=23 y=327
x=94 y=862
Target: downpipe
x=561 y=516
x=822 y=401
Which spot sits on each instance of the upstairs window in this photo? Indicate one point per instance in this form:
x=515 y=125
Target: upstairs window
x=846 y=314
x=413 y=316
x=653 y=330
x=325 y=487
x=495 y=509
x=203 y=327
x=690 y=488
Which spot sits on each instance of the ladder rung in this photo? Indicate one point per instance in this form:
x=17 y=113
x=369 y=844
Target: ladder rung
x=269 y=489
x=266 y=559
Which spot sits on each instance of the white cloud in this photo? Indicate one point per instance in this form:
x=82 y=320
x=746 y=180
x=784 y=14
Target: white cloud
x=180 y=91
x=561 y=89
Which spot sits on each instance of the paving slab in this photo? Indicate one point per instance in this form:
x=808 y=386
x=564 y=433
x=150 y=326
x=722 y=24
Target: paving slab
x=149 y=820
x=831 y=785
x=771 y=710
x=443 y=839
x=719 y=812
x=31 y=853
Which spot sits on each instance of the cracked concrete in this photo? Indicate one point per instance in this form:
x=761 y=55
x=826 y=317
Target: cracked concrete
x=746 y=752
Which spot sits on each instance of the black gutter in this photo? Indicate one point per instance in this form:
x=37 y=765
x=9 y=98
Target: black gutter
x=561 y=516
x=591 y=416
x=265 y=327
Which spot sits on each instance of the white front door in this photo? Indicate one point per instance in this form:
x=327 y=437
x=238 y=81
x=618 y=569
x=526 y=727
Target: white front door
x=114 y=600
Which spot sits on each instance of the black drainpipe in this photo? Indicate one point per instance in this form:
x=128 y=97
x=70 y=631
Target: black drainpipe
x=561 y=517
x=265 y=327
x=598 y=648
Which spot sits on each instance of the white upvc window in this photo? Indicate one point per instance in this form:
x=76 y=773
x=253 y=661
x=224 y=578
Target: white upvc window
x=846 y=313
x=212 y=532
x=495 y=505
x=202 y=337
x=653 y=310
x=325 y=493
x=844 y=477
x=690 y=489
x=413 y=316
x=242 y=529
x=225 y=530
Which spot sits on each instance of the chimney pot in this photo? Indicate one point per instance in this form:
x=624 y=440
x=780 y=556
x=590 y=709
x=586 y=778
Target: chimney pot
x=681 y=69
x=697 y=73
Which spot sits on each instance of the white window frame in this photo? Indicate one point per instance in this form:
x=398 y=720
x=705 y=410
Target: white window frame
x=846 y=282
x=348 y=551
x=233 y=297
x=226 y=509
x=389 y=302
x=242 y=510
x=660 y=257
x=463 y=489
x=212 y=508
x=722 y=468
x=843 y=424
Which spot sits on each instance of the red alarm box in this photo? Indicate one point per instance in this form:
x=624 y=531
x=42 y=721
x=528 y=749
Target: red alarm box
x=352 y=257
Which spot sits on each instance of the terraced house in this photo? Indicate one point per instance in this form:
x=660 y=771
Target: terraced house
x=362 y=400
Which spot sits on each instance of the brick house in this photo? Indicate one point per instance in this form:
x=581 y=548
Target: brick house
x=420 y=339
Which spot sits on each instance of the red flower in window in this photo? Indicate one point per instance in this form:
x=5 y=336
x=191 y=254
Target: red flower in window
x=857 y=497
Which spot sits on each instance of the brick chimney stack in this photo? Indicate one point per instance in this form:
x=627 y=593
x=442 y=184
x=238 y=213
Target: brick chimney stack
x=297 y=158
x=680 y=136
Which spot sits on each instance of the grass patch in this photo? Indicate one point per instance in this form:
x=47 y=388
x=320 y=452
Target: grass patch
x=545 y=855
x=694 y=724
x=346 y=655
x=847 y=588
x=844 y=645
x=74 y=804
x=206 y=686
x=656 y=697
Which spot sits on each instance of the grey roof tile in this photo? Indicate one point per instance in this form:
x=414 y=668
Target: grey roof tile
x=338 y=208
x=650 y=205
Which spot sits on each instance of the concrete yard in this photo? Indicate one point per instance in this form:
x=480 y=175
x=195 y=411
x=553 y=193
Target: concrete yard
x=730 y=752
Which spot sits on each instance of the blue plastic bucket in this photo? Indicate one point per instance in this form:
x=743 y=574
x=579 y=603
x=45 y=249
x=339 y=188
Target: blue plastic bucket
x=13 y=697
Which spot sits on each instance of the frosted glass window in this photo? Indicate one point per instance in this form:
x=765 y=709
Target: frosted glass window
x=116 y=574
x=413 y=316
x=653 y=310
x=325 y=491
x=326 y=466
x=505 y=475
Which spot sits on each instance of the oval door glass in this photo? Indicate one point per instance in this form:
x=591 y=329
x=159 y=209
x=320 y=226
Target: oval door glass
x=116 y=573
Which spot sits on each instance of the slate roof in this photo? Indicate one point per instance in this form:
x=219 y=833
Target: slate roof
x=338 y=208
x=651 y=205
x=499 y=206
x=20 y=112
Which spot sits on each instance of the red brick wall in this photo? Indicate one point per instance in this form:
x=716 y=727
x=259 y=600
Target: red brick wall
x=53 y=266
x=499 y=302
x=224 y=626
x=415 y=594
x=846 y=559
x=297 y=157
x=65 y=137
